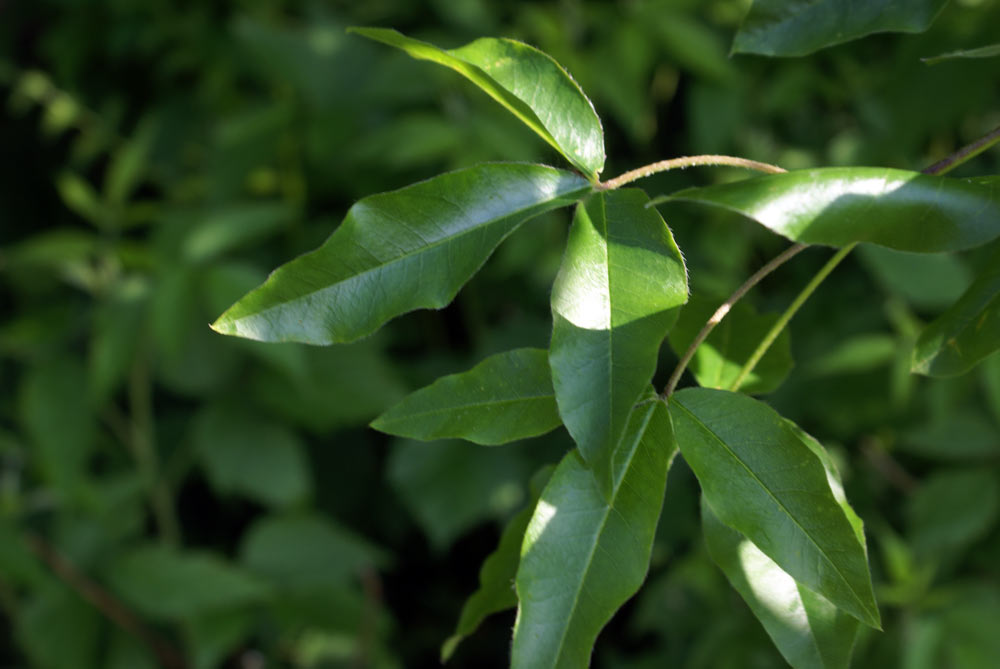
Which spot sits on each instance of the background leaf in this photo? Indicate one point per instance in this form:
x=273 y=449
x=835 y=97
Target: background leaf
x=504 y=398
x=763 y=479
x=721 y=356
x=792 y=28
x=372 y=268
x=989 y=51
x=585 y=555
x=529 y=83
x=807 y=629
x=614 y=299
x=907 y=211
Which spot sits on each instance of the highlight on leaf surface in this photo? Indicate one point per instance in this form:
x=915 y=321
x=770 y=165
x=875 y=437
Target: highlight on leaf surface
x=395 y=252
x=837 y=206
x=528 y=83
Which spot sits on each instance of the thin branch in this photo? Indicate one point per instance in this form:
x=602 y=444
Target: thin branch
x=105 y=602
x=888 y=467
x=684 y=162
x=723 y=309
x=965 y=154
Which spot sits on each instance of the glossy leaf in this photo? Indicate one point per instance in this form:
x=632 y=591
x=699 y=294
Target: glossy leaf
x=990 y=51
x=767 y=479
x=797 y=28
x=965 y=333
x=584 y=555
x=496 y=577
x=616 y=295
x=719 y=359
x=907 y=211
x=806 y=628
x=528 y=82
x=395 y=252
x=504 y=398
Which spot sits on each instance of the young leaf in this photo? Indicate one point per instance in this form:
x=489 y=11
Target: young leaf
x=721 y=356
x=967 y=332
x=837 y=206
x=504 y=398
x=496 y=576
x=395 y=252
x=616 y=295
x=990 y=51
x=529 y=83
x=584 y=555
x=796 y=28
x=807 y=629
x=767 y=479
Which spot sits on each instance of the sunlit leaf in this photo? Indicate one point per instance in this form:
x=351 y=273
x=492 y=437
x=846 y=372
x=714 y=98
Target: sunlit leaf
x=965 y=333
x=615 y=297
x=504 y=398
x=395 y=252
x=584 y=554
x=719 y=359
x=496 y=577
x=907 y=211
x=765 y=478
x=806 y=628
x=796 y=28
x=529 y=83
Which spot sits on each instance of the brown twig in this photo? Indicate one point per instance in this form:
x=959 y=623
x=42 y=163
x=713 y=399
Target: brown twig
x=687 y=161
x=105 y=602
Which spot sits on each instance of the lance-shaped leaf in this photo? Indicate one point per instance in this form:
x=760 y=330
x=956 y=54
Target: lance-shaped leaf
x=395 y=252
x=585 y=555
x=965 y=333
x=528 y=82
x=614 y=299
x=496 y=576
x=991 y=51
x=720 y=358
x=765 y=478
x=837 y=206
x=807 y=630
x=504 y=398
x=797 y=28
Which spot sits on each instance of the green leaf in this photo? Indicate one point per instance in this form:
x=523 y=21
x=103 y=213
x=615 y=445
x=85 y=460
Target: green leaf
x=952 y=509
x=837 y=206
x=55 y=612
x=796 y=28
x=303 y=551
x=721 y=356
x=496 y=577
x=221 y=230
x=989 y=51
x=806 y=628
x=129 y=163
x=504 y=398
x=964 y=434
x=931 y=282
x=82 y=199
x=965 y=333
x=767 y=479
x=395 y=252
x=247 y=454
x=528 y=83
x=170 y=585
x=584 y=554
x=616 y=295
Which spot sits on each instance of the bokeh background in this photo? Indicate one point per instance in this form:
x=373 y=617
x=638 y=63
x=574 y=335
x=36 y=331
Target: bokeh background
x=164 y=489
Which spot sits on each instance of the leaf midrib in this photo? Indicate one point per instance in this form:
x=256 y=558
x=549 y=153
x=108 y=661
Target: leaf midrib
x=778 y=502
x=474 y=405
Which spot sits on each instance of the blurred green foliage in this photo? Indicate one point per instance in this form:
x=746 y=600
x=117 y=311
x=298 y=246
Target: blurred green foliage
x=161 y=157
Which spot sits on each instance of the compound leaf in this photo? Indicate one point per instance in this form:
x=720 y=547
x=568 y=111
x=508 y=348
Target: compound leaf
x=837 y=206
x=504 y=398
x=797 y=28
x=399 y=251
x=764 y=477
x=806 y=628
x=965 y=333
x=528 y=83
x=584 y=555
x=616 y=295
